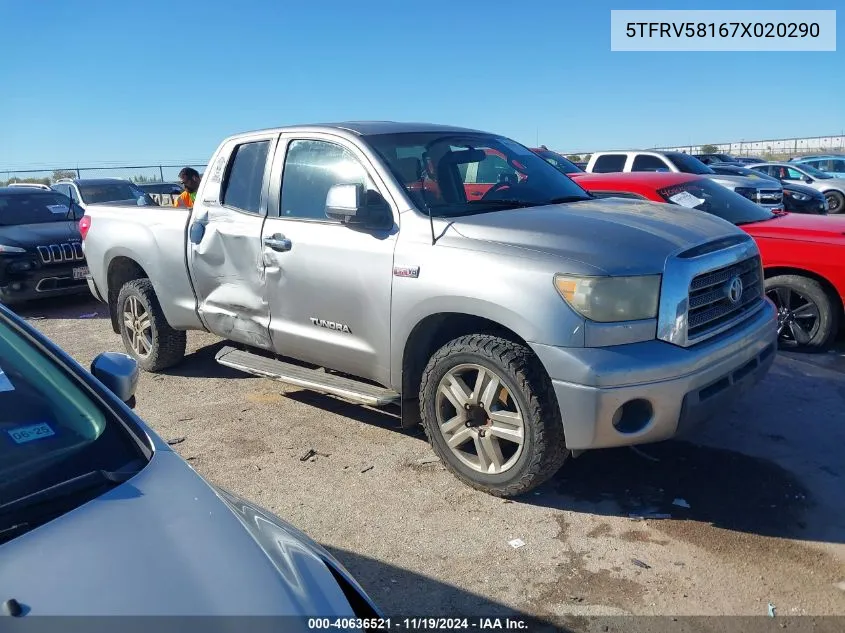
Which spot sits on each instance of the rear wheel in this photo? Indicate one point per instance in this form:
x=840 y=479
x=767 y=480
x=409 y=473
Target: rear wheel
x=146 y=334
x=491 y=415
x=835 y=201
x=808 y=317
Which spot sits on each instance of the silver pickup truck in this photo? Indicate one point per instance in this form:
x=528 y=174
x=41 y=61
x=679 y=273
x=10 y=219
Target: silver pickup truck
x=450 y=271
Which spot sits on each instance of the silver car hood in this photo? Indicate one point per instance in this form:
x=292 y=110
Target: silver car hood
x=606 y=236
x=165 y=543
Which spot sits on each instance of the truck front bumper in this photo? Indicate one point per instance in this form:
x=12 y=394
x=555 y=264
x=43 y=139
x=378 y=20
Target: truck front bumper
x=652 y=391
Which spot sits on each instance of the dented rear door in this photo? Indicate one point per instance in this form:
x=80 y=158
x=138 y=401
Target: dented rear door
x=225 y=252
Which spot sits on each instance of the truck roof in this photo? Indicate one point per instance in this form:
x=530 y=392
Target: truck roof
x=369 y=128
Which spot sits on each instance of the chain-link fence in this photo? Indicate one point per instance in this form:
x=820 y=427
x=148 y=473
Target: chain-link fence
x=135 y=173
x=773 y=149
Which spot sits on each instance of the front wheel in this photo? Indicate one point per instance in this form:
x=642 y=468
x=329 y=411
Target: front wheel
x=835 y=201
x=491 y=415
x=808 y=318
x=146 y=334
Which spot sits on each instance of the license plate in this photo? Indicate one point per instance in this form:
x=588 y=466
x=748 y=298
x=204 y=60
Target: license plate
x=80 y=273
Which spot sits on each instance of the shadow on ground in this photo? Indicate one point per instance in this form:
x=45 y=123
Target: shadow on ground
x=726 y=489
x=401 y=593
x=387 y=417
x=201 y=364
x=71 y=307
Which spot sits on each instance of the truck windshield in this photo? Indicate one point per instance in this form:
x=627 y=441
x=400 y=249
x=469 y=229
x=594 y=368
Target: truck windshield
x=455 y=174
x=708 y=196
x=688 y=164
x=52 y=430
x=35 y=207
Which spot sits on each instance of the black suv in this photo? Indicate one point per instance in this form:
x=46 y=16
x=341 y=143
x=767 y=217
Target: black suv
x=40 y=245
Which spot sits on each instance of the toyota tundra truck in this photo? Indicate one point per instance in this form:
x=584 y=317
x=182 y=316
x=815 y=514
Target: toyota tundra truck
x=520 y=322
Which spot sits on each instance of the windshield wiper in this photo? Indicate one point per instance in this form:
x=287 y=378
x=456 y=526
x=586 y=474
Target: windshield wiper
x=565 y=199
x=514 y=203
x=70 y=486
x=10 y=532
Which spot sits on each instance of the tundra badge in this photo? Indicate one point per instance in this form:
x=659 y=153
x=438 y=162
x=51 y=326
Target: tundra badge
x=331 y=325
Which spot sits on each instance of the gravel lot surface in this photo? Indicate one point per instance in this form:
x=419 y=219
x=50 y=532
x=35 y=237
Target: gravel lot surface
x=765 y=486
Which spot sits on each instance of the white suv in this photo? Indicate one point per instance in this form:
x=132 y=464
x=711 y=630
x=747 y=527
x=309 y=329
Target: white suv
x=765 y=193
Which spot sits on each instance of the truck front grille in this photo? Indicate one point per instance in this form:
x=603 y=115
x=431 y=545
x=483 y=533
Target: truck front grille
x=61 y=253
x=769 y=196
x=723 y=297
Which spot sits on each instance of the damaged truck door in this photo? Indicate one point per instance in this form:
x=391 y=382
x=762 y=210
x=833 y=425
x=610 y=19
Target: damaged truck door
x=329 y=289
x=226 y=255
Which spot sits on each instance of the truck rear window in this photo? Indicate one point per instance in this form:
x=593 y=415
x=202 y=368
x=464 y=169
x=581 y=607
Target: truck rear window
x=35 y=208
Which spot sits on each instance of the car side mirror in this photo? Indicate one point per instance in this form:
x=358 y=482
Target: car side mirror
x=808 y=180
x=119 y=373
x=347 y=203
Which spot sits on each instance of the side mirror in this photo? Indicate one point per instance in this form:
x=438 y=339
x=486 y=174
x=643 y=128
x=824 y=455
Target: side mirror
x=808 y=180
x=347 y=203
x=119 y=373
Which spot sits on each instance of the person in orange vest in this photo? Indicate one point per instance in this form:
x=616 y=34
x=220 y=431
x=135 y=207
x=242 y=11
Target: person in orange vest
x=190 y=179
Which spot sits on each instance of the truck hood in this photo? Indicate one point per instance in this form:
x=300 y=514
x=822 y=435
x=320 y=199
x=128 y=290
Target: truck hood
x=609 y=236
x=743 y=181
x=167 y=543
x=801 y=227
x=32 y=235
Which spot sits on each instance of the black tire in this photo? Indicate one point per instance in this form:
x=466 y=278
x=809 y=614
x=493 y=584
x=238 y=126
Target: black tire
x=543 y=449
x=835 y=201
x=167 y=346
x=790 y=293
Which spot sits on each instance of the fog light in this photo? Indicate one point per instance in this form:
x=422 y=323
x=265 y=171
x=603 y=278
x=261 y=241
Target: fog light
x=633 y=416
x=20 y=266
x=16 y=286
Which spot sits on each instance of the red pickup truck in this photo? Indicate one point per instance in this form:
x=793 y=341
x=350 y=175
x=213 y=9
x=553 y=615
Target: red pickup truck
x=803 y=255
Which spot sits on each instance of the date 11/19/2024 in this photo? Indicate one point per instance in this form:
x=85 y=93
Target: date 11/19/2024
x=419 y=624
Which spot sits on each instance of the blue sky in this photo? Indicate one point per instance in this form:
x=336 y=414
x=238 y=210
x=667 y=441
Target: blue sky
x=91 y=81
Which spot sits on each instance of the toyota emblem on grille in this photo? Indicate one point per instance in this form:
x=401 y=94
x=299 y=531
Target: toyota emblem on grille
x=735 y=290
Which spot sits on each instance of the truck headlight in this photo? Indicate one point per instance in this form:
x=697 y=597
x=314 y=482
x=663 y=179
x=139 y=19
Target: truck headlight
x=611 y=299
x=11 y=249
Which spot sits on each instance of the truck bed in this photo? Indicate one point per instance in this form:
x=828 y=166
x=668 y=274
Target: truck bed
x=155 y=238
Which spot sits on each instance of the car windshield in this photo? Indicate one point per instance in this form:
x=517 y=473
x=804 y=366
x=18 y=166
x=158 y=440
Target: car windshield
x=688 y=164
x=35 y=207
x=455 y=174
x=815 y=173
x=110 y=192
x=52 y=429
x=711 y=197
x=563 y=164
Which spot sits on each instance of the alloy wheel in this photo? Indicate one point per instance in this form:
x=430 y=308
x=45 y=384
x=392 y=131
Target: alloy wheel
x=479 y=418
x=798 y=316
x=139 y=327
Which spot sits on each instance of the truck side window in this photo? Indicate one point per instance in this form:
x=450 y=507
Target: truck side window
x=242 y=189
x=644 y=162
x=609 y=163
x=311 y=169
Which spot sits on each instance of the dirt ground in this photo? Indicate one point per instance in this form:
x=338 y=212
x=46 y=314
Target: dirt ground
x=765 y=486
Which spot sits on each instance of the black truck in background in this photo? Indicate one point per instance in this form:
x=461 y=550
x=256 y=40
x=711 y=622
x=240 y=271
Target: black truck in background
x=40 y=245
